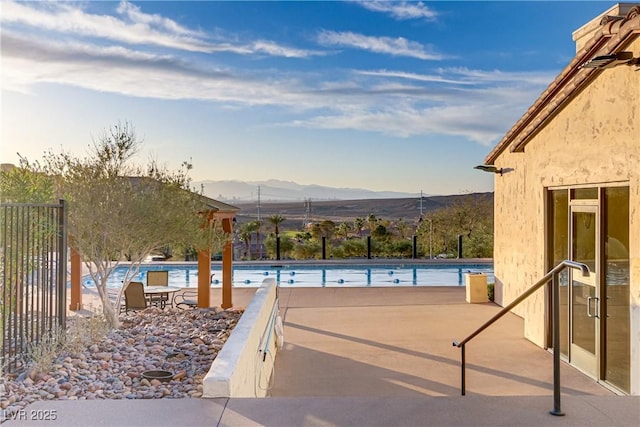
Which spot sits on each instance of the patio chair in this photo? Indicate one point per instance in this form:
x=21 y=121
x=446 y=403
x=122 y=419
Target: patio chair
x=134 y=298
x=158 y=278
x=186 y=299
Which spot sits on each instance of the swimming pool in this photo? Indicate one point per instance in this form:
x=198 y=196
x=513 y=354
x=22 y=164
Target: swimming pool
x=314 y=275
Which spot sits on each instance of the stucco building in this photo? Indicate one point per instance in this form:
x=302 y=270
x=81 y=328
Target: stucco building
x=568 y=187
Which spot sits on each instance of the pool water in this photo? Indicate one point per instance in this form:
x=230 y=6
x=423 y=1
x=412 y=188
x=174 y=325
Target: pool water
x=186 y=275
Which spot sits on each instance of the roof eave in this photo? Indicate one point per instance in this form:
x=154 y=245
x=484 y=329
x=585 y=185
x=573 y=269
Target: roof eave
x=613 y=37
x=218 y=206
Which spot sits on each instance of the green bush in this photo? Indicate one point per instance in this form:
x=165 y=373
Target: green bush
x=353 y=248
x=401 y=248
x=307 y=250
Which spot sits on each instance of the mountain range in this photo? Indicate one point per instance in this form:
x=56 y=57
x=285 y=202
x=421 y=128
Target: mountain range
x=274 y=190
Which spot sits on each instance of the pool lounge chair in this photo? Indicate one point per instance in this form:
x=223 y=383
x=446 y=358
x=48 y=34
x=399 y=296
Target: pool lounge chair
x=134 y=298
x=186 y=299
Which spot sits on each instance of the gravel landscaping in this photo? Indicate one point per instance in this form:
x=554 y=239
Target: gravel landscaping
x=182 y=342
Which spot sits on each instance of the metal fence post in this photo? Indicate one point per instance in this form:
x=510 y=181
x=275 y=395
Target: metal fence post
x=62 y=264
x=555 y=284
x=415 y=247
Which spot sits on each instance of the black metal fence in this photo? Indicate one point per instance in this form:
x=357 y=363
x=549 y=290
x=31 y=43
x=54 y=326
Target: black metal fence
x=33 y=254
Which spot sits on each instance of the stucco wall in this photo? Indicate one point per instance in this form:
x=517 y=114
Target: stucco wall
x=241 y=369
x=593 y=140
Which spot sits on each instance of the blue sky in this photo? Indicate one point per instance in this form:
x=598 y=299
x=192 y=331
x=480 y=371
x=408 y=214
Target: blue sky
x=396 y=96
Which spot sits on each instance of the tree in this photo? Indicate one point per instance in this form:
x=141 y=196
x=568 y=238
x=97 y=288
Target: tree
x=303 y=236
x=403 y=228
x=352 y=248
x=325 y=228
x=307 y=249
x=24 y=235
x=372 y=221
x=471 y=217
x=380 y=232
x=21 y=185
x=480 y=244
x=119 y=211
x=286 y=245
x=276 y=220
x=400 y=248
x=246 y=234
x=343 y=230
x=358 y=224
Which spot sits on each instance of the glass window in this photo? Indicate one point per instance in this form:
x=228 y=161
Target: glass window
x=584 y=193
x=559 y=248
x=616 y=276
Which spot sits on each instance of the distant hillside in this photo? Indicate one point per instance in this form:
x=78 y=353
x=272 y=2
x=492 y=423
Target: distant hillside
x=236 y=192
x=348 y=210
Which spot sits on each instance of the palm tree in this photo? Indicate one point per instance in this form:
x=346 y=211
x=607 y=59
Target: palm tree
x=276 y=220
x=246 y=232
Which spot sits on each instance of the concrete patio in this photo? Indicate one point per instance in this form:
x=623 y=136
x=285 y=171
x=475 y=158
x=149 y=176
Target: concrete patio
x=381 y=357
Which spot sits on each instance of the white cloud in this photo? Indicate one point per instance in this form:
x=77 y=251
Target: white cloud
x=398 y=46
x=476 y=104
x=274 y=49
x=465 y=76
x=481 y=123
x=480 y=109
x=134 y=73
x=138 y=29
x=501 y=77
x=401 y=10
x=70 y=19
x=412 y=76
x=137 y=16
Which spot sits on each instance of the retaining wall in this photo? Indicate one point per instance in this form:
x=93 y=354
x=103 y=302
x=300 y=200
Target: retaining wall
x=244 y=366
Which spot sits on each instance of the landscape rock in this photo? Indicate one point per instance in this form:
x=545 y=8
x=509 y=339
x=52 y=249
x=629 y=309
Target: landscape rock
x=179 y=341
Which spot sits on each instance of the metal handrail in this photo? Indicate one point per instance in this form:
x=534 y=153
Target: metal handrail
x=553 y=276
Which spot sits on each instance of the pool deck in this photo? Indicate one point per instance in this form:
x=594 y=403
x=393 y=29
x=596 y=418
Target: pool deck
x=382 y=357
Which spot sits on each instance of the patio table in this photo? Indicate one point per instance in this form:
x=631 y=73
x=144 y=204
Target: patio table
x=150 y=291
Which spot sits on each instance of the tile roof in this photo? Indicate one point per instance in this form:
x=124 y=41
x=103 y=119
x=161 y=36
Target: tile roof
x=614 y=35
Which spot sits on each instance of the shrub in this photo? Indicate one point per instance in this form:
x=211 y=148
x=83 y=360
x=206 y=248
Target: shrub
x=307 y=250
x=83 y=331
x=352 y=248
x=400 y=248
x=43 y=353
